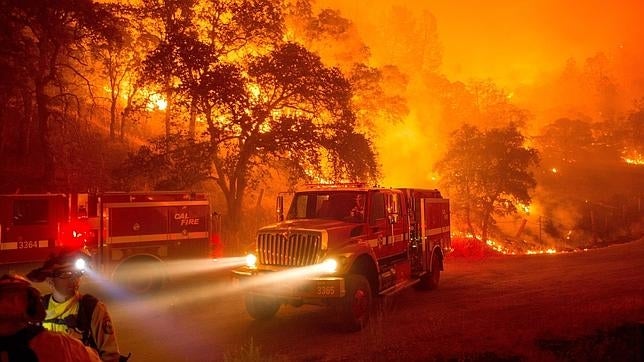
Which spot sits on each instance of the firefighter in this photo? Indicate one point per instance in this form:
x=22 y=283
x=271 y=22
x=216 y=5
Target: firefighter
x=357 y=213
x=22 y=338
x=69 y=311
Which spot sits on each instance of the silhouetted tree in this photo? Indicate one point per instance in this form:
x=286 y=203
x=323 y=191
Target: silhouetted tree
x=167 y=21
x=119 y=64
x=44 y=43
x=288 y=106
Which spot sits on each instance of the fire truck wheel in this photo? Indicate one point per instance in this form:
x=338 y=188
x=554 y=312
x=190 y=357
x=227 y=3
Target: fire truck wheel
x=261 y=307
x=356 y=304
x=430 y=280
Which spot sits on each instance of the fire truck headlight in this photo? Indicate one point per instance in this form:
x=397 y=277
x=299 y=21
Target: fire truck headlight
x=329 y=265
x=251 y=261
x=80 y=264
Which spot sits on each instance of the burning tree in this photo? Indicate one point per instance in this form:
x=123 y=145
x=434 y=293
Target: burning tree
x=300 y=112
x=487 y=173
x=261 y=102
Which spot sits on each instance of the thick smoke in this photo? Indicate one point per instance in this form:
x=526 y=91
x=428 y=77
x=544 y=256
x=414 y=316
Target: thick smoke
x=580 y=60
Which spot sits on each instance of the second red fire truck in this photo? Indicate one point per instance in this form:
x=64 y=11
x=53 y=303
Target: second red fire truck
x=129 y=236
x=340 y=245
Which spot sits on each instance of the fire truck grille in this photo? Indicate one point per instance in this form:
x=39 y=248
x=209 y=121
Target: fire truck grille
x=292 y=249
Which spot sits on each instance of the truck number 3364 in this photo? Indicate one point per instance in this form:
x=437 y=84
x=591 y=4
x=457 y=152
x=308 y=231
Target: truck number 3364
x=27 y=244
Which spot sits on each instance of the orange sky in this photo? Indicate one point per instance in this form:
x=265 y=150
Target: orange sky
x=513 y=42
x=519 y=45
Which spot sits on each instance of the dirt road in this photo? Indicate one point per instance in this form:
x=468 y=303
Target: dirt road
x=514 y=307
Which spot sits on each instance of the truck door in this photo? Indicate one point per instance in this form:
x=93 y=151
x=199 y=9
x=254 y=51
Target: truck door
x=29 y=226
x=388 y=228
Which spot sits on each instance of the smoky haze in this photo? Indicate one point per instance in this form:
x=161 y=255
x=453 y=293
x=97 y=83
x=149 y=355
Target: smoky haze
x=526 y=49
x=512 y=42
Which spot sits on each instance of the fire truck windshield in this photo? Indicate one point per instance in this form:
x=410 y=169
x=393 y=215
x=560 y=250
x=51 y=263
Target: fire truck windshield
x=334 y=205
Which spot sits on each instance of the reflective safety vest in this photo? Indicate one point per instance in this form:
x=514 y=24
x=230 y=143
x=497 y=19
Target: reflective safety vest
x=82 y=321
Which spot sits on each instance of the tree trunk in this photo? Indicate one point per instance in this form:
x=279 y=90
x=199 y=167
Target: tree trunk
x=485 y=221
x=3 y=107
x=43 y=136
x=24 y=139
x=113 y=117
x=193 y=120
x=169 y=96
x=124 y=117
x=127 y=110
x=468 y=211
x=233 y=224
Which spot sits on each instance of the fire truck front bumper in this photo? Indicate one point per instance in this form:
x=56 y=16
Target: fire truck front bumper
x=288 y=284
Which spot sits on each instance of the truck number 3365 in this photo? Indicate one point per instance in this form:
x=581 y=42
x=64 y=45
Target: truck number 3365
x=322 y=290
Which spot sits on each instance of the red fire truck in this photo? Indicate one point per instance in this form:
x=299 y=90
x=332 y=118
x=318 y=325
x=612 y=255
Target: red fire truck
x=339 y=245
x=121 y=231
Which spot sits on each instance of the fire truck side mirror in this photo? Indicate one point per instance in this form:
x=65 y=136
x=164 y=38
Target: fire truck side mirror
x=280 y=207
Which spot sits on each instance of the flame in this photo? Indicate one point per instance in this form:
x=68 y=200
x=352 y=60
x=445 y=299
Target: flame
x=554 y=170
x=264 y=127
x=497 y=247
x=634 y=161
x=632 y=157
x=254 y=90
x=547 y=251
x=507 y=248
x=157 y=101
x=525 y=208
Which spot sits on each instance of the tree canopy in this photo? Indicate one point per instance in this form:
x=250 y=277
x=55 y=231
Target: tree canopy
x=262 y=102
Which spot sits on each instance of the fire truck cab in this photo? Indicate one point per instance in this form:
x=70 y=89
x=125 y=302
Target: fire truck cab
x=340 y=245
x=129 y=235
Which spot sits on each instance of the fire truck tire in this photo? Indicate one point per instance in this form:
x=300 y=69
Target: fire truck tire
x=356 y=304
x=261 y=307
x=140 y=276
x=430 y=280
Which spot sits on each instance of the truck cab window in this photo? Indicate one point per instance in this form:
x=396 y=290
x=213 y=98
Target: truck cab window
x=326 y=205
x=30 y=212
x=377 y=208
x=299 y=207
